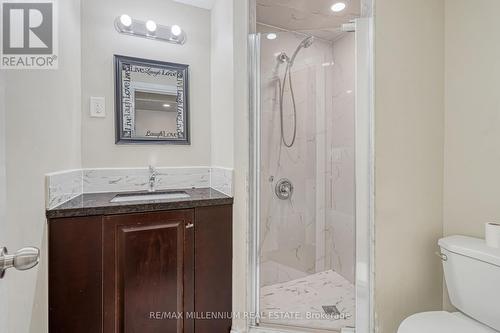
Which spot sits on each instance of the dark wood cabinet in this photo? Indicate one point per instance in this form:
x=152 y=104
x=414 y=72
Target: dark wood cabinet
x=75 y=275
x=155 y=272
x=148 y=272
x=213 y=278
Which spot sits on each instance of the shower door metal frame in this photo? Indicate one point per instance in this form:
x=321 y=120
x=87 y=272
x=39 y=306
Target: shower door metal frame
x=254 y=179
x=364 y=179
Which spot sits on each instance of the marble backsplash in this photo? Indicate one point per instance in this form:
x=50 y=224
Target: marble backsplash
x=62 y=186
x=221 y=179
x=121 y=180
x=65 y=185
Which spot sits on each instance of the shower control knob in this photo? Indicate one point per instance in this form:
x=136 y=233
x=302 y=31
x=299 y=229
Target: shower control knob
x=284 y=189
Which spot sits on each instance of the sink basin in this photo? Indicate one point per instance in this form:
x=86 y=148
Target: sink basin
x=150 y=196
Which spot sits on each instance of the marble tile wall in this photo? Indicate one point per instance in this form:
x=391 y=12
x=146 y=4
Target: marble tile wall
x=313 y=231
x=288 y=232
x=65 y=185
x=273 y=272
x=62 y=186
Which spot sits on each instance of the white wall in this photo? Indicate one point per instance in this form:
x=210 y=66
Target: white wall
x=43 y=134
x=241 y=162
x=3 y=193
x=409 y=104
x=222 y=84
x=47 y=131
x=472 y=162
x=472 y=132
x=100 y=41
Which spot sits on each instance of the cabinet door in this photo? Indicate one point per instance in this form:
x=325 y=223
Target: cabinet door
x=214 y=258
x=148 y=272
x=75 y=275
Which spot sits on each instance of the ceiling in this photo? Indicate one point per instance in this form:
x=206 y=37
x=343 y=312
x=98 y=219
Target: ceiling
x=205 y=4
x=312 y=17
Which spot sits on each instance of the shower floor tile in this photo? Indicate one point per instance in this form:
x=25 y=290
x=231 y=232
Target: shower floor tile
x=300 y=302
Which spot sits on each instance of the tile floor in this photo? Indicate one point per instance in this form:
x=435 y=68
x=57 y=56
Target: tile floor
x=300 y=302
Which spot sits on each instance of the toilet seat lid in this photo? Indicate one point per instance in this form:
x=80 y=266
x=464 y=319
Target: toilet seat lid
x=442 y=322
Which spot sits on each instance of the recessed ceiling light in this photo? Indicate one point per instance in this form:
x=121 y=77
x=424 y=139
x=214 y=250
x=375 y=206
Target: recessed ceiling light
x=166 y=105
x=126 y=20
x=151 y=26
x=272 y=36
x=338 y=7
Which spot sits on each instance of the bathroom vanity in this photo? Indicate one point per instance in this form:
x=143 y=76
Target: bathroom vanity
x=141 y=266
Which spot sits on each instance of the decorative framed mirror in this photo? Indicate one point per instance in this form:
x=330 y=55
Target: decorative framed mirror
x=151 y=101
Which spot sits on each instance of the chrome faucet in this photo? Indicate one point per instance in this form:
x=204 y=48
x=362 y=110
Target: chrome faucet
x=152 y=179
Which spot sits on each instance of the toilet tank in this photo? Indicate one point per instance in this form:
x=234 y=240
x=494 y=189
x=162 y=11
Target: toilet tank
x=472 y=274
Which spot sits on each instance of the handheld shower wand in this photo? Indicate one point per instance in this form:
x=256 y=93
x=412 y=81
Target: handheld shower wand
x=283 y=58
x=307 y=42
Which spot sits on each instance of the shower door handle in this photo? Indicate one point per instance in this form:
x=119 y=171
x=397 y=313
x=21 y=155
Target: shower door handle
x=24 y=259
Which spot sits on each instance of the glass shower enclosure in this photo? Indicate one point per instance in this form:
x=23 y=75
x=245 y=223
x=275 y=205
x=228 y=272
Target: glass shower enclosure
x=305 y=180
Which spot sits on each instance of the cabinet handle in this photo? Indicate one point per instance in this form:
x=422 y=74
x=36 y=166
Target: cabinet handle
x=189 y=225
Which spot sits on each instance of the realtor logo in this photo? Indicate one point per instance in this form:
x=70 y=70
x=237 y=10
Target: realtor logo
x=28 y=35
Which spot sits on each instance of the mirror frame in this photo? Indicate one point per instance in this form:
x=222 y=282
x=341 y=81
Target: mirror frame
x=119 y=138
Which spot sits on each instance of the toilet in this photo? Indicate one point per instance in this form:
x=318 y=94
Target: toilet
x=472 y=274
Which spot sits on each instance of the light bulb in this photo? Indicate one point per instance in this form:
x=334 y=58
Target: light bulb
x=338 y=7
x=151 y=26
x=126 y=20
x=176 y=30
x=166 y=105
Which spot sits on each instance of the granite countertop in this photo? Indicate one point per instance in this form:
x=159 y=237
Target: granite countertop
x=92 y=204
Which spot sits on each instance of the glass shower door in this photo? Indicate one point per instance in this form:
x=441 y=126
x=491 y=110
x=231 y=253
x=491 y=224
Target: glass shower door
x=306 y=233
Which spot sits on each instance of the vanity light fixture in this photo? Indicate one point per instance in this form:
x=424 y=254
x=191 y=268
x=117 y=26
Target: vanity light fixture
x=150 y=29
x=151 y=26
x=126 y=20
x=176 y=30
x=338 y=7
x=271 y=36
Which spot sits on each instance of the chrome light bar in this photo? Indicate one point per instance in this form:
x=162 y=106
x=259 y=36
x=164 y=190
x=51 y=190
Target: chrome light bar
x=149 y=29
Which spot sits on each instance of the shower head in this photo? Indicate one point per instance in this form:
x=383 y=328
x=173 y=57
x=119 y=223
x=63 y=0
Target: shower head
x=307 y=42
x=304 y=44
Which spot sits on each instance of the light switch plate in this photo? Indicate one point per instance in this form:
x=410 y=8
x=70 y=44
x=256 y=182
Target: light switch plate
x=97 y=107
